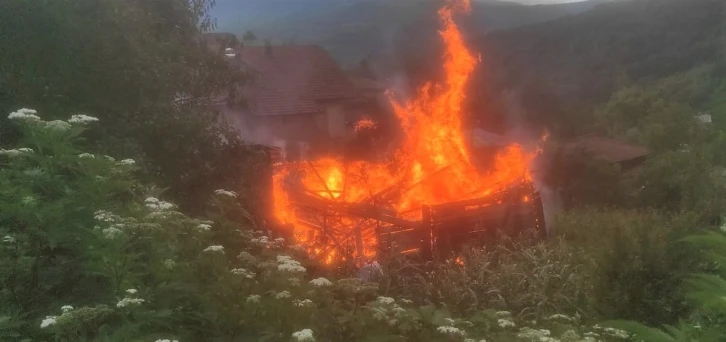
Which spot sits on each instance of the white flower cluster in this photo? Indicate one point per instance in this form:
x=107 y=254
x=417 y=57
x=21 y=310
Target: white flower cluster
x=129 y=302
x=154 y=204
x=385 y=300
x=561 y=318
x=503 y=314
x=132 y=291
x=127 y=162
x=226 y=193
x=166 y=340
x=321 y=282
x=81 y=119
x=8 y=239
x=243 y=272
x=262 y=241
x=535 y=335
x=304 y=302
x=386 y=310
x=449 y=330
x=106 y=216
x=118 y=225
x=48 y=321
x=592 y=334
x=253 y=299
x=505 y=323
x=203 y=227
x=86 y=156
x=24 y=114
x=612 y=332
x=305 y=335
x=215 y=249
x=288 y=264
x=113 y=232
x=57 y=126
x=28 y=200
x=283 y=294
x=16 y=152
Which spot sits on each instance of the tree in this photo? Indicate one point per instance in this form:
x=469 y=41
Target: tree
x=126 y=62
x=249 y=37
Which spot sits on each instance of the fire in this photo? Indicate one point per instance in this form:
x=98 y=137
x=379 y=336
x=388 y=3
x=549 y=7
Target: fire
x=364 y=123
x=432 y=166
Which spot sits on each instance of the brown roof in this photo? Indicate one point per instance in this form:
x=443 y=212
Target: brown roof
x=292 y=79
x=215 y=40
x=365 y=83
x=611 y=150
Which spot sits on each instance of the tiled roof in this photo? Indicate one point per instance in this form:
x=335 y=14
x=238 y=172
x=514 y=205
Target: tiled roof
x=292 y=79
x=611 y=150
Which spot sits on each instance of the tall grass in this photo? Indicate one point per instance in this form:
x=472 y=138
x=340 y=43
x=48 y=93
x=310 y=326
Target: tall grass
x=530 y=279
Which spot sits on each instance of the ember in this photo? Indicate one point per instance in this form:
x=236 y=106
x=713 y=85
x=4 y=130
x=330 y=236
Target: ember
x=340 y=208
x=365 y=123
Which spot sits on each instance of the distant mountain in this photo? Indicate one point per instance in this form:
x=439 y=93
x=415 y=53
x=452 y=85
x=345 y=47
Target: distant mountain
x=558 y=65
x=353 y=29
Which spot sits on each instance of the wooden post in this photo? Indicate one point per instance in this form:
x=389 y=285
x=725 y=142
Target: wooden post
x=426 y=233
x=359 y=243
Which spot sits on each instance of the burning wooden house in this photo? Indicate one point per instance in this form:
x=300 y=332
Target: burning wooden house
x=429 y=198
x=359 y=232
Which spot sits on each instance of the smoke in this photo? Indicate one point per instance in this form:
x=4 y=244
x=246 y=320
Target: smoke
x=523 y=132
x=255 y=133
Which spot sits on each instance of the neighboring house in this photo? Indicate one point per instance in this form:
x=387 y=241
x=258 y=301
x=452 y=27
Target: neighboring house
x=218 y=41
x=607 y=149
x=704 y=117
x=297 y=98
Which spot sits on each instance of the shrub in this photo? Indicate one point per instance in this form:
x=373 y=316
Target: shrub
x=91 y=254
x=635 y=260
x=708 y=295
x=532 y=280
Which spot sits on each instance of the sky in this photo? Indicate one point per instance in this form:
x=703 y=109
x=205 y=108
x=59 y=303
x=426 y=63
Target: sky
x=538 y=2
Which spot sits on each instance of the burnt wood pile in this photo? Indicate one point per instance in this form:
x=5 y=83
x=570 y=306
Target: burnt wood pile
x=358 y=232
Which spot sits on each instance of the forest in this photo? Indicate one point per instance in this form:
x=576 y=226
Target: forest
x=126 y=215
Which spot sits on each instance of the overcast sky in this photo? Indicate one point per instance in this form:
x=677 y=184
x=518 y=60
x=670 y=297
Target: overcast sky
x=536 y=2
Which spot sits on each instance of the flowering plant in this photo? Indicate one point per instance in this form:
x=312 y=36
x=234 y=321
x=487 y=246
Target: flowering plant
x=91 y=253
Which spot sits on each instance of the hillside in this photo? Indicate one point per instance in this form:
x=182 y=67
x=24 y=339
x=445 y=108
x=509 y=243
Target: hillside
x=354 y=29
x=579 y=60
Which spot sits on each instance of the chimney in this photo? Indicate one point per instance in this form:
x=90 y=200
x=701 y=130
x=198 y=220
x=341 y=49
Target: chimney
x=268 y=49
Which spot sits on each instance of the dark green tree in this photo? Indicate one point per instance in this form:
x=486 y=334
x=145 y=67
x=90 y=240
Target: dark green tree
x=127 y=62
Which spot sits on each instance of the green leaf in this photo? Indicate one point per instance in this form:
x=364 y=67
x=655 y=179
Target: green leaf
x=642 y=332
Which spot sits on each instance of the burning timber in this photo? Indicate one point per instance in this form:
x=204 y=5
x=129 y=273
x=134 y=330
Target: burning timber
x=428 y=198
x=358 y=233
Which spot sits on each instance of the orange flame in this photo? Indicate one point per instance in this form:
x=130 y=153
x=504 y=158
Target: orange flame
x=364 y=123
x=433 y=163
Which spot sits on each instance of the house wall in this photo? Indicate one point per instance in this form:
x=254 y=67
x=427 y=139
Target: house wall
x=336 y=118
x=324 y=131
x=273 y=130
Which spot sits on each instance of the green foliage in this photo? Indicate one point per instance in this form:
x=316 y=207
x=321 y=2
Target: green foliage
x=126 y=62
x=707 y=292
x=532 y=280
x=635 y=261
x=681 y=182
x=586 y=181
x=582 y=59
x=91 y=254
